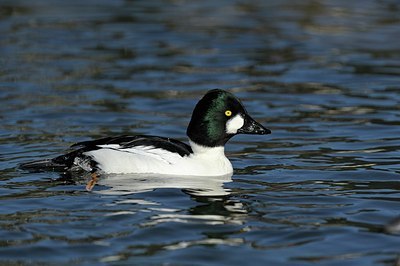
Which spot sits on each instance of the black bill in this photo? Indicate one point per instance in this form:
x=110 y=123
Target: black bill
x=252 y=127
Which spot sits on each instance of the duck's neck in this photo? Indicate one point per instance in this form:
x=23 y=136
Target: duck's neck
x=206 y=151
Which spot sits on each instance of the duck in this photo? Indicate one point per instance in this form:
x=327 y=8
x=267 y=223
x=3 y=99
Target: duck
x=217 y=117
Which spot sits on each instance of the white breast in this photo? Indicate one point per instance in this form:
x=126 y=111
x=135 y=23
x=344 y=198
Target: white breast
x=147 y=159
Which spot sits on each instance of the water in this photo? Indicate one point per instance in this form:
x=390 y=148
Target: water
x=323 y=75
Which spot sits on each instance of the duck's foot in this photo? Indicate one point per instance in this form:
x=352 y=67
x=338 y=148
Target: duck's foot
x=94 y=177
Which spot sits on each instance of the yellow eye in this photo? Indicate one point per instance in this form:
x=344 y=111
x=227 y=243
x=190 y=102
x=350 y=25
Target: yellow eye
x=228 y=112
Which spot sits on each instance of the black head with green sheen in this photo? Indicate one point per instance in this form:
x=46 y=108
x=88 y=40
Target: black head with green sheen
x=218 y=116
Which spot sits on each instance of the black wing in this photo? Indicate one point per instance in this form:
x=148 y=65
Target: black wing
x=168 y=144
x=67 y=160
x=124 y=141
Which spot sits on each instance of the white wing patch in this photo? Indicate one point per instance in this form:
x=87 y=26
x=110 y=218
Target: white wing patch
x=112 y=158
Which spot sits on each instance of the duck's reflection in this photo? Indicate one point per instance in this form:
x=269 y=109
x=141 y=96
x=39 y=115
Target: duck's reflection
x=210 y=186
x=215 y=204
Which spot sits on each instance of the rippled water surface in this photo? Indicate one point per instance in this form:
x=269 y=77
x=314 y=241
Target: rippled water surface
x=323 y=75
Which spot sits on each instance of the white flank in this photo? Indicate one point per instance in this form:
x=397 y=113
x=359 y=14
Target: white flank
x=204 y=161
x=233 y=124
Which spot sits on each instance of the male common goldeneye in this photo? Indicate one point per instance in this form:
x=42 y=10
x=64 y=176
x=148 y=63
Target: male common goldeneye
x=217 y=117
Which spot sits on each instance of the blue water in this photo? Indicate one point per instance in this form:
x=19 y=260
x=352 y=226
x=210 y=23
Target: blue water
x=323 y=75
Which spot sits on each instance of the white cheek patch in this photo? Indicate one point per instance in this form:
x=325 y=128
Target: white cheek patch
x=233 y=124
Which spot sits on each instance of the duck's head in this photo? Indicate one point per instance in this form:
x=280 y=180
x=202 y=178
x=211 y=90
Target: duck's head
x=218 y=116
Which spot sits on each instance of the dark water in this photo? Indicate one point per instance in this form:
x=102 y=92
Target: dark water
x=323 y=75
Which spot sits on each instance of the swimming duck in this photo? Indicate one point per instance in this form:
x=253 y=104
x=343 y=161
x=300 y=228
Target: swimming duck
x=217 y=117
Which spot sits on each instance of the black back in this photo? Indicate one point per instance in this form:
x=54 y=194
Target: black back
x=124 y=141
